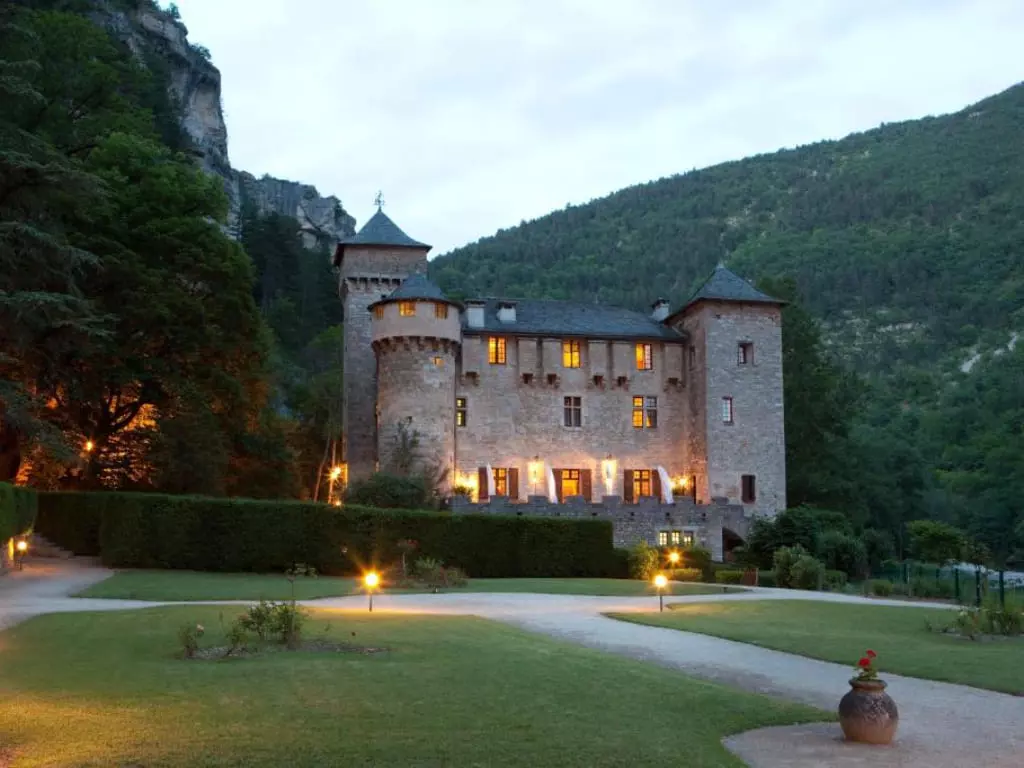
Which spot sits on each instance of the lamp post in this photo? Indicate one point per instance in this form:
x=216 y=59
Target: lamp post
x=21 y=548
x=660 y=582
x=372 y=581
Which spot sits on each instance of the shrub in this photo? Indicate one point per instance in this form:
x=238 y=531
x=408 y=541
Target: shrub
x=785 y=558
x=685 y=574
x=434 y=574
x=767 y=579
x=390 y=492
x=699 y=558
x=729 y=577
x=879 y=587
x=139 y=530
x=842 y=552
x=618 y=564
x=644 y=561
x=878 y=547
x=807 y=573
x=933 y=589
x=834 y=581
x=188 y=637
x=18 y=510
x=72 y=521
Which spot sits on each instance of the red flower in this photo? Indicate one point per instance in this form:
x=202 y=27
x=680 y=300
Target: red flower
x=871 y=654
x=865 y=662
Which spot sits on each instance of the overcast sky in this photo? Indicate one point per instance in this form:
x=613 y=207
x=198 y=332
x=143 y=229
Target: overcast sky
x=472 y=115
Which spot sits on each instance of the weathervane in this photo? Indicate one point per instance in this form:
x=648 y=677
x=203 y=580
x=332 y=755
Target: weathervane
x=379 y=200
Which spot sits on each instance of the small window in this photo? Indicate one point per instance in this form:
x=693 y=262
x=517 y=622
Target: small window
x=378 y=312
x=687 y=538
x=438 y=361
x=745 y=353
x=642 y=483
x=440 y=311
x=496 y=350
x=570 y=354
x=407 y=308
x=727 y=412
x=460 y=411
x=645 y=412
x=644 y=357
x=749 y=489
x=500 y=481
x=676 y=537
x=662 y=538
x=573 y=411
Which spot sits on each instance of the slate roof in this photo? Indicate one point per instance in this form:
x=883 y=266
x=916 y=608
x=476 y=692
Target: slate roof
x=724 y=285
x=416 y=288
x=379 y=230
x=547 y=317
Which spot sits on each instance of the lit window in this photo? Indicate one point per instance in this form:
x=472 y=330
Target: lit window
x=745 y=353
x=573 y=411
x=662 y=538
x=642 y=483
x=571 y=354
x=438 y=361
x=645 y=412
x=570 y=483
x=727 y=413
x=440 y=311
x=500 y=481
x=406 y=308
x=378 y=312
x=676 y=537
x=749 y=492
x=460 y=411
x=496 y=350
x=687 y=539
x=644 y=357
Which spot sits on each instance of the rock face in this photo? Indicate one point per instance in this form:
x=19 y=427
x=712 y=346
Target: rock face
x=195 y=85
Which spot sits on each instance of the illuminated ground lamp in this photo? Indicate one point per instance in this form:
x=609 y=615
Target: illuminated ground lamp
x=372 y=582
x=21 y=547
x=534 y=467
x=660 y=582
x=608 y=474
x=673 y=557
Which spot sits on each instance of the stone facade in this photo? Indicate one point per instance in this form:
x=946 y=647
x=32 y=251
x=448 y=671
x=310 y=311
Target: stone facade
x=646 y=521
x=652 y=420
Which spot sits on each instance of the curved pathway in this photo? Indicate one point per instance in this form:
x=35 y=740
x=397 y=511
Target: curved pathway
x=942 y=725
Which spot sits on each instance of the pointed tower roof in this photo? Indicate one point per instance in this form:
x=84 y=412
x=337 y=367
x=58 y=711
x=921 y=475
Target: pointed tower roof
x=378 y=231
x=416 y=288
x=724 y=285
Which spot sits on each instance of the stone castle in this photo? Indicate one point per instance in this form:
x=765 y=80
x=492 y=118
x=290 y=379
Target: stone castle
x=668 y=423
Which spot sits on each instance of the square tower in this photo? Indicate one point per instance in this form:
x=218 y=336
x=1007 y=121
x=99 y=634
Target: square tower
x=735 y=422
x=371 y=264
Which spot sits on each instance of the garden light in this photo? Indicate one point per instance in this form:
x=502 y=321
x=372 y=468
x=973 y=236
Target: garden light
x=89 y=445
x=22 y=546
x=335 y=473
x=660 y=582
x=673 y=557
x=372 y=581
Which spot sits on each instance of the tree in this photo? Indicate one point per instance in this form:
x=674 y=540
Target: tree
x=935 y=542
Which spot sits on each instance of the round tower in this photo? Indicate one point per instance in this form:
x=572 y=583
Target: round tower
x=416 y=336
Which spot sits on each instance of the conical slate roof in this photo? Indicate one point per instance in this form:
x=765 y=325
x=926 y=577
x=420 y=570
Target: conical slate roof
x=380 y=231
x=724 y=285
x=416 y=288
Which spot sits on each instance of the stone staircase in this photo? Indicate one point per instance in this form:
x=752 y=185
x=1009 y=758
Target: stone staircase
x=39 y=546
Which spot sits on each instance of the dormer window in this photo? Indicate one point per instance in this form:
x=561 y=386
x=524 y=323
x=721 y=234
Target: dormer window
x=644 y=357
x=570 y=354
x=407 y=308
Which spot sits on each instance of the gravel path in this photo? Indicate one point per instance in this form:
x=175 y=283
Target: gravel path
x=942 y=725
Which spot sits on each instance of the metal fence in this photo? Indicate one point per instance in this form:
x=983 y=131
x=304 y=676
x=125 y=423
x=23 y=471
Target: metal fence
x=967 y=584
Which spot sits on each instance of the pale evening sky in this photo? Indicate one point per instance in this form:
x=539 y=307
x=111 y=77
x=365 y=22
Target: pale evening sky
x=472 y=115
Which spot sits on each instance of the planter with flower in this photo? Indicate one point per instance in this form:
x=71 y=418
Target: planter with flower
x=867 y=713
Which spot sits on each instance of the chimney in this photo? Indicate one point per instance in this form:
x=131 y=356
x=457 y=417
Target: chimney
x=659 y=310
x=475 y=314
x=506 y=311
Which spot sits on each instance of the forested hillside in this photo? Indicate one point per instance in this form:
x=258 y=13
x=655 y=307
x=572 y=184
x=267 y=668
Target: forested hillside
x=906 y=245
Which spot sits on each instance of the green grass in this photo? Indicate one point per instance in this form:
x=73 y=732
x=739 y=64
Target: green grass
x=102 y=689
x=194 y=585
x=841 y=632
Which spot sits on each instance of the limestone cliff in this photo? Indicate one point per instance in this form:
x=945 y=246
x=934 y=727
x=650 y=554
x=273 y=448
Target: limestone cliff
x=195 y=86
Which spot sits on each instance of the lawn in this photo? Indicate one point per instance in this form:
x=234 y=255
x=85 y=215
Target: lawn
x=194 y=585
x=841 y=632
x=99 y=689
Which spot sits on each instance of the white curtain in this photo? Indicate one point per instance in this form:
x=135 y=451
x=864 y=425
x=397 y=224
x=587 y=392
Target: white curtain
x=490 y=480
x=666 y=486
x=552 y=488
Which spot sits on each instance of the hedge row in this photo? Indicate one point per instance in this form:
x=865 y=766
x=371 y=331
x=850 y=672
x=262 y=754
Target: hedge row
x=135 y=530
x=17 y=510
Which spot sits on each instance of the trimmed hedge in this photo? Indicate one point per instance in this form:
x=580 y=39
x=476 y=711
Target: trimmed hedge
x=140 y=530
x=18 y=508
x=728 y=577
x=686 y=574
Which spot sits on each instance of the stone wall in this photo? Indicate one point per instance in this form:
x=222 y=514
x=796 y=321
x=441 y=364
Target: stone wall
x=631 y=523
x=510 y=421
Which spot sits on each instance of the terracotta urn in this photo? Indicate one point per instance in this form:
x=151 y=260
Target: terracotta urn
x=867 y=713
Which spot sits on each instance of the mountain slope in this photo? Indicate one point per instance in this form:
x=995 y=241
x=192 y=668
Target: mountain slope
x=906 y=240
